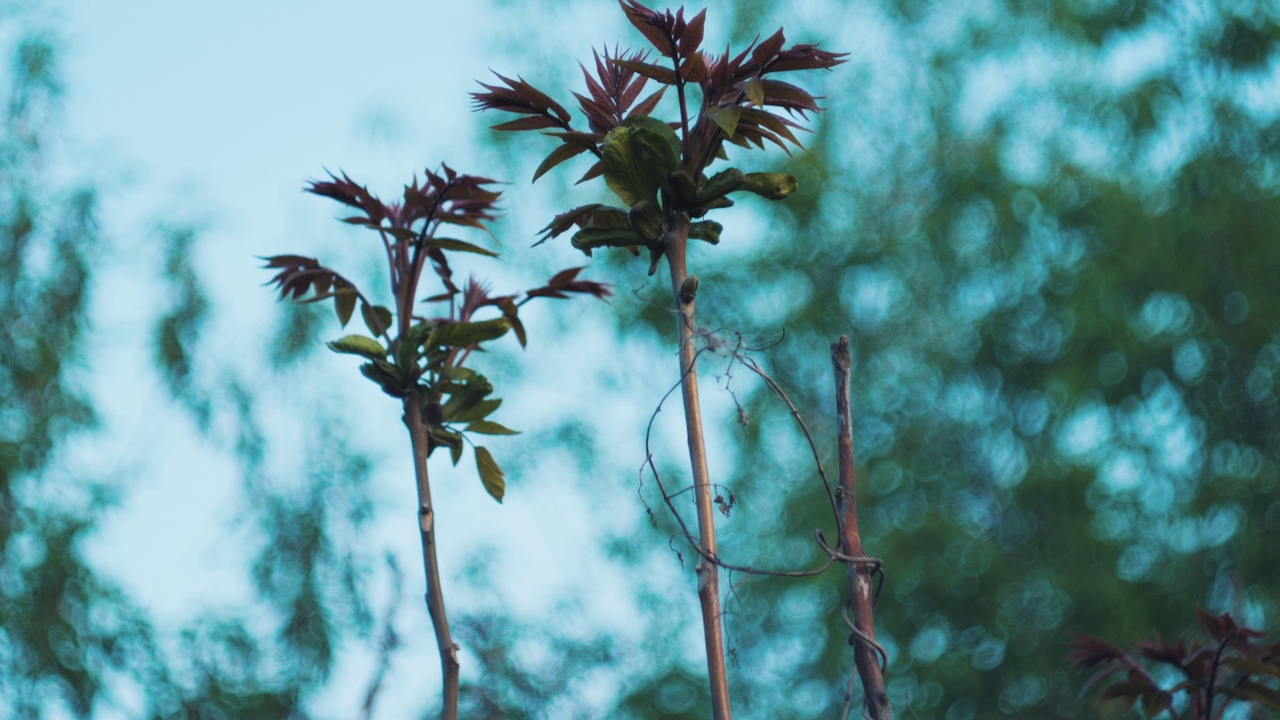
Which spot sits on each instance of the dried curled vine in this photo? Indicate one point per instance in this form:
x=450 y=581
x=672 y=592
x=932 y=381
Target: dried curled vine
x=738 y=353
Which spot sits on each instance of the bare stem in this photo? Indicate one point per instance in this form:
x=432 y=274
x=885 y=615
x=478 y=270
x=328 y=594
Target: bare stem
x=876 y=700
x=684 y=288
x=426 y=523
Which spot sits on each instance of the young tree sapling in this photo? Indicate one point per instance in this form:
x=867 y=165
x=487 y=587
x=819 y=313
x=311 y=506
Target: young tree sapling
x=422 y=360
x=658 y=169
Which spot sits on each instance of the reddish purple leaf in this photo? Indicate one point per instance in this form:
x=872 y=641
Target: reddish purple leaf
x=557 y=156
x=664 y=75
x=691 y=38
x=768 y=50
x=804 y=57
x=787 y=96
x=658 y=29
x=520 y=97
x=646 y=106
x=1090 y=652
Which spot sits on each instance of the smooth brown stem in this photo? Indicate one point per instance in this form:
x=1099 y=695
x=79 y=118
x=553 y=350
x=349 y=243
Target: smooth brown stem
x=684 y=288
x=864 y=653
x=426 y=524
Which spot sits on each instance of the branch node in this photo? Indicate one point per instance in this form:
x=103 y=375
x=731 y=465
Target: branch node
x=426 y=518
x=689 y=290
x=703 y=570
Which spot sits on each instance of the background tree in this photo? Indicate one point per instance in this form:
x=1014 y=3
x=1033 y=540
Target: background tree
x=73 y=640
x=1044 y=233
x=67 y=631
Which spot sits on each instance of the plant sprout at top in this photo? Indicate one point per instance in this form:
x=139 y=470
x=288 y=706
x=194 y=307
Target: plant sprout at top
x=408 y=353
x=658 y=168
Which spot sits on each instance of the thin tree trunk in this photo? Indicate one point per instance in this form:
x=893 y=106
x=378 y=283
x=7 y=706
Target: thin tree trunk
x=684 y=290
x=864 y=654
x=426 y=524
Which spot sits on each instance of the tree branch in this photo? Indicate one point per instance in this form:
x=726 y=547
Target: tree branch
x=426 y=524
x=875 y=699
x=684 y=288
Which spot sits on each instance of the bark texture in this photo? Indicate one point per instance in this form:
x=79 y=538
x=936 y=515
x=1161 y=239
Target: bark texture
x=876 y=702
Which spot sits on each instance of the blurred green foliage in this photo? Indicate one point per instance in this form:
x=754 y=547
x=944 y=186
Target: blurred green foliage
x=70 y=639
x=1055 y=250
x=63 y=630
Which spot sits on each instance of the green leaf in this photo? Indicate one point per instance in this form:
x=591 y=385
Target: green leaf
x=608 y=216
x=472 y=412
x=490 y=474
x=621 y=171
x=465 y=388
x=725 y=117
x=358 y=345
x=466 y=334
x=419 y=333
x=656 y=138
x=753 y=88
x=488 y=427
x=771 y=186
x=459 y=245
x=449 y=439
x=557 y=156
x=376 y=318
x=465 y=375
x=588 y=238
x=637 y=158
x=387 y=376
x=344 y=303
x=645 y=218
x=683 y=189
x=721 y=184
x=706 y=230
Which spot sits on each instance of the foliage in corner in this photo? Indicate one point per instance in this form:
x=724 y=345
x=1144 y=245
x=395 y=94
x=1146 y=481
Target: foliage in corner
x=405 y=351
x=1233 y=666
x=659 y=168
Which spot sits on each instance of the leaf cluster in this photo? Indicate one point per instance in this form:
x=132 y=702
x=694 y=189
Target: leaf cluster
x=412 y=355
x=659 y=168
x=1233 y=665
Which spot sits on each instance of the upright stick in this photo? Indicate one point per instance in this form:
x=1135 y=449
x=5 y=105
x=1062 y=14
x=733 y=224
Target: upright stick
x=864 y=634
x=684 y=288
x=426 y=524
